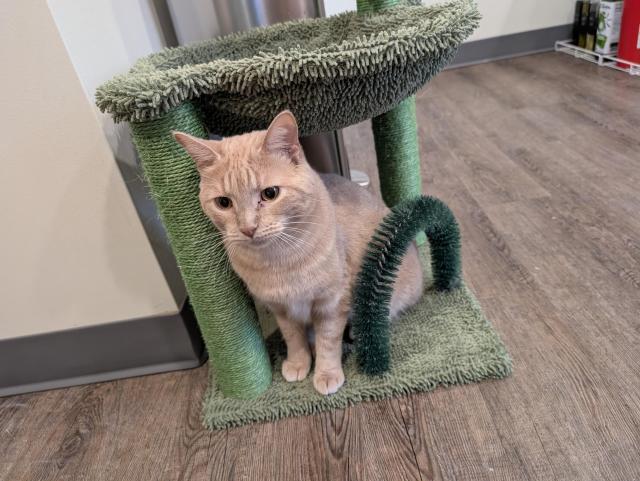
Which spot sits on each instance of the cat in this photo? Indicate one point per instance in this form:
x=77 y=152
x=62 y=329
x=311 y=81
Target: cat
x=296 y=239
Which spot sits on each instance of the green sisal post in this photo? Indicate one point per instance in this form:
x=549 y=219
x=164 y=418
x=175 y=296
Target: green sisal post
x=396 y=139
x=224 y=310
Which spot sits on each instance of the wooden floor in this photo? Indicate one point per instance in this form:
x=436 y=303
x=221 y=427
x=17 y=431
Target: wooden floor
x=539 y=157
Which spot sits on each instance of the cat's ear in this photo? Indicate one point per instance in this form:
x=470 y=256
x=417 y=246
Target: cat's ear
x=200 y=150
x=282 y=137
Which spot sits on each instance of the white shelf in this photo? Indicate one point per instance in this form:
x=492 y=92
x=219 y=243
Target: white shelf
x=610 y=61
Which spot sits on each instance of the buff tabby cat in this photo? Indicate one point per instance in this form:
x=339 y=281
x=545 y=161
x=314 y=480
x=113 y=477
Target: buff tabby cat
x=295 y=238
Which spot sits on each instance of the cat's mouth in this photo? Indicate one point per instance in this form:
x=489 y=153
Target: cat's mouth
x=259 y=240
x=268 y=235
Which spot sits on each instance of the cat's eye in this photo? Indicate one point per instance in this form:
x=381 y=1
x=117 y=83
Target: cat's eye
x=223 y=202
x=270 y=193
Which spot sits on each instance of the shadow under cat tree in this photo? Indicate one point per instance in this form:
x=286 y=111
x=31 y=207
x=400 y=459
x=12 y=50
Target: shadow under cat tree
x=443 y=340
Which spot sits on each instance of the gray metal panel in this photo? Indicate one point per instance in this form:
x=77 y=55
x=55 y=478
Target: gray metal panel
x=326 y=153
x=100 y=353
x=507 y=46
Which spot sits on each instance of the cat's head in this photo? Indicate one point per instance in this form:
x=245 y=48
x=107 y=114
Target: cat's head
x=255 y=187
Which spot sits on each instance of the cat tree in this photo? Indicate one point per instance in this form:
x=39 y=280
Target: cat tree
x=331 y=73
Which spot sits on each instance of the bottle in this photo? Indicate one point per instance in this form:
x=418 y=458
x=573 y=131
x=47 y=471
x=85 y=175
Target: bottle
x=592 y=27
x=575 y=38
x=584 y=23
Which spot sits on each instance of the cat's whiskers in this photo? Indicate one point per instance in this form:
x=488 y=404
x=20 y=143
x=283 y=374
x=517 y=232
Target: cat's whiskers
x=230 y=252
x=217 y=240
x=287 y=239
x=299 y=242
x=292 y=251
x=216 y=244
x=300 y=220
x=298 y=231
x=223 y=261
x=283 y=241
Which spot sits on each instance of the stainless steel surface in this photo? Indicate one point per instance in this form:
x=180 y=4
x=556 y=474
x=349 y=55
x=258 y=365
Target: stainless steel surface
x=361 y=178
x=325 y=152
x=239 y=15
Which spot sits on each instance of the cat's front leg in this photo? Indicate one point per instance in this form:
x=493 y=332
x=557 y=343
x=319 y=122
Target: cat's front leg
x=329 y=325
x=298 y=362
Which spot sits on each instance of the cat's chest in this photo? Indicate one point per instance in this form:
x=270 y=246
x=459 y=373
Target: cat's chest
x=292 y=284
x=280 y=285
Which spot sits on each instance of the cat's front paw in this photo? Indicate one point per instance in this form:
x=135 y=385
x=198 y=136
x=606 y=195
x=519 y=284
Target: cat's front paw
x=329 y=381
x=297 y=370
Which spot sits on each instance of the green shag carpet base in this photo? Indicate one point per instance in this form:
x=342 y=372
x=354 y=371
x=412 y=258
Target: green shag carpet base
x=444 y=340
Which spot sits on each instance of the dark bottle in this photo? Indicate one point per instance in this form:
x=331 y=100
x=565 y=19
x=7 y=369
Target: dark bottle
x=592 y=27
x=576 y=23
x=584 y=23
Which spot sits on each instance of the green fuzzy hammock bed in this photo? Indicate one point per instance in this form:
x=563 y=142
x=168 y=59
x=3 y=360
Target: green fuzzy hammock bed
x=331 y=73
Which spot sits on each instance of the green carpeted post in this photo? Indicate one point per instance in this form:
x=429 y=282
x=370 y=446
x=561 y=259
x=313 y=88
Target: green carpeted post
x=396 y=140
x=224 y=310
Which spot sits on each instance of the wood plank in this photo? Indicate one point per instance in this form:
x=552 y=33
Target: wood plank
x=505 y=249
x=533 y=329
x=21 y=417
x=458 y=433
x=376 y=443
x=291 y=449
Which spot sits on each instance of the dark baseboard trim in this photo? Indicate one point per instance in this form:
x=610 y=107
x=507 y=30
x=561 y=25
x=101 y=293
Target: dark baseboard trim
x=100 y=353
x=513 y=45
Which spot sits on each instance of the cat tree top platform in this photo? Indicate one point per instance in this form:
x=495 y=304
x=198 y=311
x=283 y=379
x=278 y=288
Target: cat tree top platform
x=330 y=72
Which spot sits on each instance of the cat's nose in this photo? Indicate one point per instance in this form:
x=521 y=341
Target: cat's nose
x=249 y=231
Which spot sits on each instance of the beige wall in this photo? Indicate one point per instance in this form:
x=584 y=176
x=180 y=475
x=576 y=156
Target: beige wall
x=504 y=17
x=73 y=252
x=499 y=17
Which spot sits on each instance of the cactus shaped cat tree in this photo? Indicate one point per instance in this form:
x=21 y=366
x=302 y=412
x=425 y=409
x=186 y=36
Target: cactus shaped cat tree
x=331 y=73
